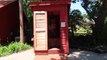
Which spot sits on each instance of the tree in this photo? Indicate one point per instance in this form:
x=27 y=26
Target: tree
x=21 y=21
x=75 y=19
x=97 y=10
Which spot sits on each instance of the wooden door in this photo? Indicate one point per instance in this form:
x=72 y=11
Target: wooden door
x=40 y=31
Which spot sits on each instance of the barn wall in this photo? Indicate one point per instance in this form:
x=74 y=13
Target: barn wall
x=9 y=22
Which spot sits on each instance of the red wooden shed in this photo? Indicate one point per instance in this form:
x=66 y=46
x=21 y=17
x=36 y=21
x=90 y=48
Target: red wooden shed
x=9 y=20
x=50 y=29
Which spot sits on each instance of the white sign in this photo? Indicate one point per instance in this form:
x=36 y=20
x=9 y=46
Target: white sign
x=63 y=24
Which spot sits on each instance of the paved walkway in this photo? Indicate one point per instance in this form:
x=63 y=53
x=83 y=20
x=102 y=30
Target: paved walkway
x=80 y=55
x=25 y=55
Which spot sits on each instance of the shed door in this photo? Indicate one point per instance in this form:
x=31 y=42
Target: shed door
x=40 y=30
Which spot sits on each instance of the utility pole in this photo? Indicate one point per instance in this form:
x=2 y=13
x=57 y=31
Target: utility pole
x=21 y=21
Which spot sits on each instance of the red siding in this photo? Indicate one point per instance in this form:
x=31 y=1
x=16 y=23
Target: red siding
x=61 y=7
x=9 y=21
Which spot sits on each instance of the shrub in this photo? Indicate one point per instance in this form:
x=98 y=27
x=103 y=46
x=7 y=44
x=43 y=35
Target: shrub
x=4 y=51
x=13 y=47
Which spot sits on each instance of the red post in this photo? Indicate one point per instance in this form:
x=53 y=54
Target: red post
x=64 y=29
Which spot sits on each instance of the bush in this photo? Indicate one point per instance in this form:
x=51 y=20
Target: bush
x=4 y=51
x=13 y=47
x=83 y=31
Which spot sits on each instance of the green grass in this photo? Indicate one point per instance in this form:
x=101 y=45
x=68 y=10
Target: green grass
x=13 y=47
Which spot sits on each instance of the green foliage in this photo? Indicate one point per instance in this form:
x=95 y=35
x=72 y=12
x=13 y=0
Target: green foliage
x=97 y=11
x=4 y=51
x=75 y=19
x=17 y=46
x=105 y=22
x=13 y=48
x=27 y=9
x=78 y=25
x=85 y=16
x=92 y=8
x=83 y=31
x=79 y=30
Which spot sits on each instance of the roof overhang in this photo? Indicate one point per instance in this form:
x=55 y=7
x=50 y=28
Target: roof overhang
x=5 y=2
x=31 y=4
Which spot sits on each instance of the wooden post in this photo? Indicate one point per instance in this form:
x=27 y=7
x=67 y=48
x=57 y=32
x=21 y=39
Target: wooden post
x=21 y=21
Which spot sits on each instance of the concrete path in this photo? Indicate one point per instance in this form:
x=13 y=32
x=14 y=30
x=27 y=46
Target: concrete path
x=25 y=55
x=79 y=55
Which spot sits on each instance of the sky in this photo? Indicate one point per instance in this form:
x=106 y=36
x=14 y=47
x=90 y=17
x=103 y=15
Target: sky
x=77 y=5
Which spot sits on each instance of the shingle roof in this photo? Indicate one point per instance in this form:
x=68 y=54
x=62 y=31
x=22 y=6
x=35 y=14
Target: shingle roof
x=5 y=2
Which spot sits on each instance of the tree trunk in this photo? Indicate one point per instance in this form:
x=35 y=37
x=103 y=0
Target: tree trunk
x=99 y=23
x=21 y=21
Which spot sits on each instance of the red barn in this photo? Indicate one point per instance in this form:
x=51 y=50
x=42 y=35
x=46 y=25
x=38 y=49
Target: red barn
x=9 y=20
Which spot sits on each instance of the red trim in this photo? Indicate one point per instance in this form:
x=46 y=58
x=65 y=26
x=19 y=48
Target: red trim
x=41 y=52
x=49 y=3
